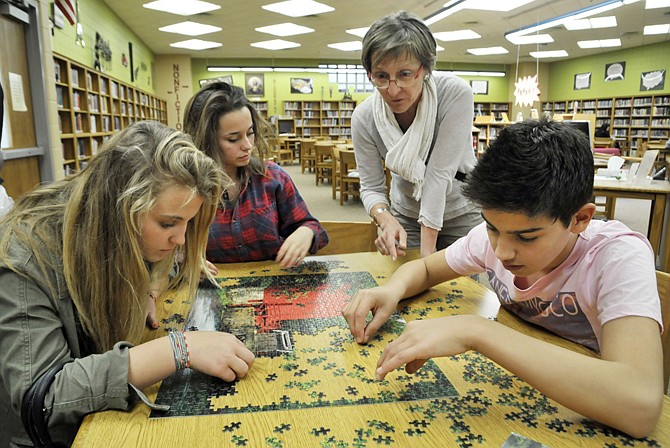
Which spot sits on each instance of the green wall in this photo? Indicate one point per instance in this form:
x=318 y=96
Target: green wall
x=95 y=16
x=638 y=60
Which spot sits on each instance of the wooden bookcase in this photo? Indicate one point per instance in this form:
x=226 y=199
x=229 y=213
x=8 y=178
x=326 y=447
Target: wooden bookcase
x=495 y=109
x=92 y=106
x=261 y=107
x=631 y=118
x=321 y=118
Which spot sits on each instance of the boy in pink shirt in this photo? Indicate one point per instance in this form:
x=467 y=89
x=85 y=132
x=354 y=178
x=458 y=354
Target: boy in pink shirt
x=591 y=282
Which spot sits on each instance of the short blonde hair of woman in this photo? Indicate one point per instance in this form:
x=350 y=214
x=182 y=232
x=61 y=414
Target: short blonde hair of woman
x=93 y=219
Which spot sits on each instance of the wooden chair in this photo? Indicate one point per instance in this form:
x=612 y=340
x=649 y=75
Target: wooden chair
x=335 y=171
x=663 y=282
x=283 y=152
x=349 y=237
x=307 y=154
x=323 y=164
x=350 y=181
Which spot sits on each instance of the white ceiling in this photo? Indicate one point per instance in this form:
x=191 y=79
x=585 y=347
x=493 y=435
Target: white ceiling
x=238 y=20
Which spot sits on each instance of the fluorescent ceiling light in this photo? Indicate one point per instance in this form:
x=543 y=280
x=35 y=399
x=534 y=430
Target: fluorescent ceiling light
x=189 y=28
x=653 y=4
x=298 y=8
x=285 y=29
x=575 y=15
x=447 y=36
x=438 y=48
x=494 y=5
x=223 y=69
x=657 y=29
x=275 y=44
x=196 y=44
x=347 y=46
x=587 y=24
x=449 y=8
x=603 y=43
x=487 y=51
x=549 y=54
x=470 y=73
x=360 y=32
x=531 y=39
x=182 y=7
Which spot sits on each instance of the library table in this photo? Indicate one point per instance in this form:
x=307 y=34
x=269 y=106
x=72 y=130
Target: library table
x=657 y=192
x=485 y=406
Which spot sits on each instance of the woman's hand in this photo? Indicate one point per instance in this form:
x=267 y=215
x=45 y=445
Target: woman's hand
x=380 y=301
x=392 y=238
x=150 y=310
x=425 y=339
x=213 y=270
x=295 y=247
x=219 y=354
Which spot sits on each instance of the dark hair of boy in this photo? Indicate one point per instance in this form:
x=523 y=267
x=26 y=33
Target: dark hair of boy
x=536 y=167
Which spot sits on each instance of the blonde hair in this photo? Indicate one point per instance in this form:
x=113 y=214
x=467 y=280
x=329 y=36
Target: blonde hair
x=93 y=221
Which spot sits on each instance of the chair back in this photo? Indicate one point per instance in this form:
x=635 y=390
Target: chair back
x=349 y=237
x=307 y=154
x=663 y=282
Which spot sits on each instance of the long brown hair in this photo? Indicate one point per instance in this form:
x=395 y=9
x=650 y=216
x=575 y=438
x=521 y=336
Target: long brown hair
x=88 y=227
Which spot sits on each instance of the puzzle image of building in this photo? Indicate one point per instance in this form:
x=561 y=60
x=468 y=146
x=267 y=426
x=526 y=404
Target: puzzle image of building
x=306 y=356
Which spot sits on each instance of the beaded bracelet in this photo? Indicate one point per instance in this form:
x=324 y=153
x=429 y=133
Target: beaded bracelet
x=180 y=350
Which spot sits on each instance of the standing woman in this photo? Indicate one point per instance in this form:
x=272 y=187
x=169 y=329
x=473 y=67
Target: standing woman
x=77 y=261
x=261 y=216
x=417 y=124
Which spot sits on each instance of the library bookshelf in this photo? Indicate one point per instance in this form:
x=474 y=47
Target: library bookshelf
x=330 y=119
x=630 y=118
x=495 y=109
x=92 y=106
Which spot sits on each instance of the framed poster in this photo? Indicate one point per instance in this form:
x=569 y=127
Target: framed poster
x=302 y=85
x=615 y=71
x=255 y=84
x=582 y=81
x=479 y=86
x=228 y=79
x=652 y=80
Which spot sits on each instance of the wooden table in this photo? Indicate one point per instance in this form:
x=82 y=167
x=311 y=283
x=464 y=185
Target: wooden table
x=657 y=192
x=490 y=403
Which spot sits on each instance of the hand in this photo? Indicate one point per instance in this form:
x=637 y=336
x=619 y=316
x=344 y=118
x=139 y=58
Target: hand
x=150 y=310
x=425 y=339
x=219 y=354
x=295 y=247
x=213 y=270
x=393 y=238
x=378 y=300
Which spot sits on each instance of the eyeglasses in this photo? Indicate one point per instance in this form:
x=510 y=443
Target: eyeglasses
x=402 y=79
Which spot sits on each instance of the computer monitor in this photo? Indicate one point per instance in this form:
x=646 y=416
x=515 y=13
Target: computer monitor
x=583 y=126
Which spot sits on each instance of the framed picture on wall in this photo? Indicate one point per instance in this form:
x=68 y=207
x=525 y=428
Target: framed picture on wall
x=255 y=84
x=654 y=80
x=228 y=79
x=479 y=86
x=582 y=81
x=302 y=85
x=615 y=71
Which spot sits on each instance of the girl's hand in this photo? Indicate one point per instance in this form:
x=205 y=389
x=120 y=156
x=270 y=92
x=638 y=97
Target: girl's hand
x=219 y=354
x=295 y=247
x=150 y=311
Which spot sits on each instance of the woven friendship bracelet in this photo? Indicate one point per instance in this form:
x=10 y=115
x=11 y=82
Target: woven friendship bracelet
x=180 y=351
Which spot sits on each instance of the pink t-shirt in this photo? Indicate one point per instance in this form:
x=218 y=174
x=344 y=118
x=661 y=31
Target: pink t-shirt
x=609 y=274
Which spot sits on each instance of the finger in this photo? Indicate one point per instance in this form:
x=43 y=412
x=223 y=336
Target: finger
x=413 y=366
x=393 y=251
x=239 y=366
x=213 y=270
x=378 y=319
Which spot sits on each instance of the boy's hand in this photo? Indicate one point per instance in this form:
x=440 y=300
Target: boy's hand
x=425 y=339
x=379 y=301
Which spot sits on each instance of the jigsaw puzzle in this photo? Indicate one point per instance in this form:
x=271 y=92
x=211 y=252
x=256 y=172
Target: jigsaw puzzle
x=305 y=354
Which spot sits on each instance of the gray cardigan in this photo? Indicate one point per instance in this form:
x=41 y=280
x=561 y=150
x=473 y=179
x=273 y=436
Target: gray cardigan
x=451 y=151
x=36 y=329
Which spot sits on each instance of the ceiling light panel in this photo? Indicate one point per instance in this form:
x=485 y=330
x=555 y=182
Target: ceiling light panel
x=189 y=28
x=657 y=29
x=448 y=36
x=196 y=44
x=285 y=29
x=487 y=51
x=549 y=54
x=602 y=43
x=653 y=4
x=587 y=24
x=360 y=32
x=182 y=7
x=531 y=39
x=298 y=8
x=494 y=5
x=275 y=44
x=347 y=46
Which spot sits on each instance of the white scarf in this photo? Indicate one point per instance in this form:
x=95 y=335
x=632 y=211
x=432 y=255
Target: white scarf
x=407 y=152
